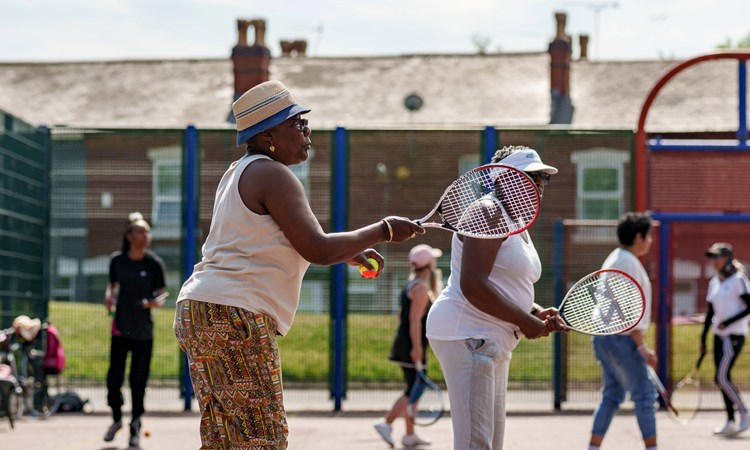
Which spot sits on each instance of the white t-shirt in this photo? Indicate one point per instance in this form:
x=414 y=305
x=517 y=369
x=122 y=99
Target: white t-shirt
x=725 y=298
x=247 y=260
x=516 y=269
x=626 y=261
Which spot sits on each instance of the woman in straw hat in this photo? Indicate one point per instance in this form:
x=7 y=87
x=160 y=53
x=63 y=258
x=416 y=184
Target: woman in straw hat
x=245 y=290
x=136 y=274
x=410 y=345
x=478 y=319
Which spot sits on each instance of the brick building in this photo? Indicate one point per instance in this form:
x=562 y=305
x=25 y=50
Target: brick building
x=118 y=130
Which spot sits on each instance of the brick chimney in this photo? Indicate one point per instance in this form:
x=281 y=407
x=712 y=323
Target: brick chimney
x=559 y=52
x=250 y=62
x=293 y=49
x=583 y=42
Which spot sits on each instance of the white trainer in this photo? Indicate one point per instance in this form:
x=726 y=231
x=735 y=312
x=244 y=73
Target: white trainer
x=727 y=430
x=112 y=430
x=744 y=422
x=385 y=431
x=412 y=440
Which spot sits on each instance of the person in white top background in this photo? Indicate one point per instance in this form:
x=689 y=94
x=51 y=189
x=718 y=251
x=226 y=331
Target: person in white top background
x=477 y=320
x=245 y=290
x=623 y=357
x=728 y=299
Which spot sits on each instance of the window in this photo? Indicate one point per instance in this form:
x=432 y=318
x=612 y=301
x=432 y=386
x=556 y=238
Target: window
x=166 y=206
x=599 y=183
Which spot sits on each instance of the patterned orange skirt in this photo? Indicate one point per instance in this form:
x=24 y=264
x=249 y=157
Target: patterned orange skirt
x=236 y=372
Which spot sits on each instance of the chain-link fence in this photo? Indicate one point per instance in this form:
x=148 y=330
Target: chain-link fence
x=99 y=176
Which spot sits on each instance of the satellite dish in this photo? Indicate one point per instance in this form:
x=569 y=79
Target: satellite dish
x=413 y=102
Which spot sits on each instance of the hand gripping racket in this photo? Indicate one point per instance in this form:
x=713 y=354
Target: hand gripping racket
x=426 y=402
x=491 y=201
x=606 y=302
x=662 y=392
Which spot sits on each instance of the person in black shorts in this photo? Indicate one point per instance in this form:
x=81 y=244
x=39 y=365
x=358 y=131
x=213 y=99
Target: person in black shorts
x=136 y=277
x=410 y=344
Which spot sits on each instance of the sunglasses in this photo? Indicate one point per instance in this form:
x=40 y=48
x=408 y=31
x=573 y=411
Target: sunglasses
x=300 y=124
x=536 y=176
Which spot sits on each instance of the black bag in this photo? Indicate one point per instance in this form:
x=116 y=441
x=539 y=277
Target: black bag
x=69 y=401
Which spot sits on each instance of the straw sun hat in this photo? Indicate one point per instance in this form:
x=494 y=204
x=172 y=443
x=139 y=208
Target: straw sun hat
x=263 y=107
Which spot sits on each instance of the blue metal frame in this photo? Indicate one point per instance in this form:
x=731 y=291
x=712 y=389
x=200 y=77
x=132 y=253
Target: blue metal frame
x=339 y=207
x=657 y=145
x=665 y=272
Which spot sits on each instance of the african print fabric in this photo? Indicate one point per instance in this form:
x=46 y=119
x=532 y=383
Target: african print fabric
x=236 y=373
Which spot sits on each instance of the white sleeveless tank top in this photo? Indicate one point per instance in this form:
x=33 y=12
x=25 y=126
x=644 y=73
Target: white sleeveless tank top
x=247 y=260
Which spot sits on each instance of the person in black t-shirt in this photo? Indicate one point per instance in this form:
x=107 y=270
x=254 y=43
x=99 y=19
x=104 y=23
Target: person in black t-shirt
x=410 y=343
x=136 y=278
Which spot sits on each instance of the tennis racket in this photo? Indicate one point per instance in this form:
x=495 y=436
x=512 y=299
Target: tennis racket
x=491 y=201
x=686 y=396
x=663 y=393
x=606 y=302
x=160 y=299
x=426 y=401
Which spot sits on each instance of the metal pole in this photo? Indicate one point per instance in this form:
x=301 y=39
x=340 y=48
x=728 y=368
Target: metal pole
x=190 y=180
x=558 y=292
x=490 y=143
x=338 y=272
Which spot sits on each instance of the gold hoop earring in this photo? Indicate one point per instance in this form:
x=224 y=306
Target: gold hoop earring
x=272 y=148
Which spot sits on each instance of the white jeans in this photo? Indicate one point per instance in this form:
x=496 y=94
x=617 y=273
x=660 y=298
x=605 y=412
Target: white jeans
x=476 y=373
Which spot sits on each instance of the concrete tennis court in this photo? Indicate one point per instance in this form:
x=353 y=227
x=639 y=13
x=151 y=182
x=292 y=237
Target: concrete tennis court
x=353 y=431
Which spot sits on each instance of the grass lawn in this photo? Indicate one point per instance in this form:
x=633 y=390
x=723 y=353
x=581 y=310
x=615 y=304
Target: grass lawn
x=85 y=331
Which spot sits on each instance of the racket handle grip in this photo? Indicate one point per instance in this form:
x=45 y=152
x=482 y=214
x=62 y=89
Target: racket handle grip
x=418 y=366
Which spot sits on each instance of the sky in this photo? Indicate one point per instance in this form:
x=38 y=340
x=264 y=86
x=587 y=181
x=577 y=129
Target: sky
x=86 y=30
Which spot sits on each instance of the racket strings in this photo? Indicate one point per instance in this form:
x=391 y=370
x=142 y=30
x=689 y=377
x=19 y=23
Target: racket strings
x=606 y=304
x=494 y=201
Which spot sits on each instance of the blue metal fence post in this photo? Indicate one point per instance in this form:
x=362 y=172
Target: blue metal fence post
x=190 y=221
x=339 y=197
x=558 y=291
x=665 y=313
x=490 y=144
x=742 y=103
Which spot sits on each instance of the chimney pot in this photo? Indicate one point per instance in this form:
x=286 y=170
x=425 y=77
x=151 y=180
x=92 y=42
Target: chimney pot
x=561 y=18
x=583 y=41
x=291 y=49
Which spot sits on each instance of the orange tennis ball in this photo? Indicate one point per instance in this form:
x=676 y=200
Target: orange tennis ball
x=367 y=273
x=147 y=433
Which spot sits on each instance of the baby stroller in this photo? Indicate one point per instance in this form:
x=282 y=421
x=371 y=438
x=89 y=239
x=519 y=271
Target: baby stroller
x=11 y=392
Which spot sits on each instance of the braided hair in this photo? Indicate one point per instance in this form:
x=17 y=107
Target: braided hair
x=506 y=151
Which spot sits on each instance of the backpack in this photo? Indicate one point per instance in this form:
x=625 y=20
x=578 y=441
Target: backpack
x=54 y=358
x=69 y=401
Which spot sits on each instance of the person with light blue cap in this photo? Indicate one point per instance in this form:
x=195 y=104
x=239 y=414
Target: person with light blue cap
x=245 y=290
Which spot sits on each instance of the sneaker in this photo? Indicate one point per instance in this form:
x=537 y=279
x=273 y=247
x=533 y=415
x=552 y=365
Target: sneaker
x=727 y=430
x=384 y=430
x=112 y=430
x=412 y=440
x=744 y=422
x=135 y=433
